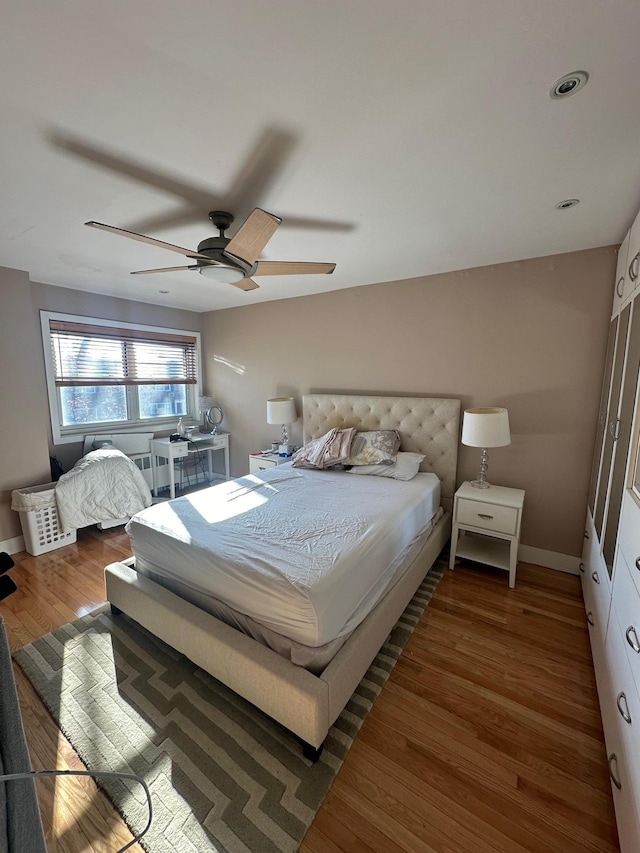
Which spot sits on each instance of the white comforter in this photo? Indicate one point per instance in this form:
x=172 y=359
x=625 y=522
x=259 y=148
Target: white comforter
x=306 y=553
x=103 y=485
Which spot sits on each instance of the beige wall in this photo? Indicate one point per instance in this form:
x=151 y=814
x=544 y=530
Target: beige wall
x=529 y=336
x=23 y=431
x=25 y=411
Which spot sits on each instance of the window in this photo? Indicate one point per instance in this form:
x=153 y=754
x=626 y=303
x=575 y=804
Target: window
x=117 y=374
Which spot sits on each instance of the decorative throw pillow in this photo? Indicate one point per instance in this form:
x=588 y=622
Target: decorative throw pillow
x=375 y=447
x=332 y=448
x=405 y=467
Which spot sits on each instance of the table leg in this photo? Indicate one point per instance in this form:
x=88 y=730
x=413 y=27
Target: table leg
x=453 y=545
x=154 y=476
x=513 y=562
x=226 y=463
x=172 y=485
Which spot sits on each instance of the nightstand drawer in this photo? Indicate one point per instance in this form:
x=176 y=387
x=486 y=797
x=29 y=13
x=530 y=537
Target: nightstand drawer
x=179 y=449
x=487 y=516
x=260 y=463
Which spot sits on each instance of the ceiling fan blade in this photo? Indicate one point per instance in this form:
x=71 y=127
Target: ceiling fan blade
x=246 y=284
x=252 y=236
x=142 y=239
x=165 y=269
x=292 y=268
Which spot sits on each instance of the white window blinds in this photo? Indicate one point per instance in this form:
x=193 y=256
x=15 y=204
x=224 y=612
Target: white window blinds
x=85 y=354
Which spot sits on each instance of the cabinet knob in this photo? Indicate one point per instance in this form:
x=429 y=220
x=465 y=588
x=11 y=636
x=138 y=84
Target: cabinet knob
x=624 y=712
x=484 y=515
x=590 y=619
x=638 y=563
x=632 y=639
x=586 y=535
x=620 y=286
x=581 y=568
x=614 y=758
x=633 y=267
x=595 y=577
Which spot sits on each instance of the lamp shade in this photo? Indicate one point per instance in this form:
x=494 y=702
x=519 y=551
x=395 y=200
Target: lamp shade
x=204 y=403
x=281 y=410
x=488 y=427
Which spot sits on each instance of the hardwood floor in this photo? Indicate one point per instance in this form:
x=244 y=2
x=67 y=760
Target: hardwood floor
x=486 y=739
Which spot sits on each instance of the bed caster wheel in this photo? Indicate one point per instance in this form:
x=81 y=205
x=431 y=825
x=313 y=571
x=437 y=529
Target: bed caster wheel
x=115 y=611
x=312 y=753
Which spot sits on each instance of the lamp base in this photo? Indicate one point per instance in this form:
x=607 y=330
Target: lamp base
x=480 y=484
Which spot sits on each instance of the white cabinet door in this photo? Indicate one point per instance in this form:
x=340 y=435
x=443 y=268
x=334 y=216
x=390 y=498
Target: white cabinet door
x=633 y=256
x=624 y=283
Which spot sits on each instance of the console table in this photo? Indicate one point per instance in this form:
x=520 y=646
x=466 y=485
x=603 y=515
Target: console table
x=162 y=448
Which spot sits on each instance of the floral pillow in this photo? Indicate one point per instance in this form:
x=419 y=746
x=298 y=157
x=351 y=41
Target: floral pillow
x=375 y=447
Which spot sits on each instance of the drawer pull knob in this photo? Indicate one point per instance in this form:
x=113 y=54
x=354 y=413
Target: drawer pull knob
x=595 y=577
x=590 y=619
x=638 y=563
x=484 y=515
x=620 y=286
x=632 y=638
x=624 y=712
x=613 y=757
x=586 y=535
x=581 y=567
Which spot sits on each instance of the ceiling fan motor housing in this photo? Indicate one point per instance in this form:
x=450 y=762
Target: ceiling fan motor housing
x=214 y=247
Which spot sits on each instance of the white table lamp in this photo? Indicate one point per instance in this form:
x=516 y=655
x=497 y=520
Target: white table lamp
x=282 y=410
x=487 y=427
x=204 y=402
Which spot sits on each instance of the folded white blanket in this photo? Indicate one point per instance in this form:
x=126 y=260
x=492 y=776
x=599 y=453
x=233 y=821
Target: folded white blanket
x=103 y=485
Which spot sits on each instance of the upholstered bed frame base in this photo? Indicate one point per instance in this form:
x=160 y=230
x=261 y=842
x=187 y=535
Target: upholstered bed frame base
x=304 y=703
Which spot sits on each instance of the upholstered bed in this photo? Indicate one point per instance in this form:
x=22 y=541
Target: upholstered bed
x=304 y=702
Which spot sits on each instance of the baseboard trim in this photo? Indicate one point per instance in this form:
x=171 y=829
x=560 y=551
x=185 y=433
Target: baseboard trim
x=12 y=546
x=549 y=559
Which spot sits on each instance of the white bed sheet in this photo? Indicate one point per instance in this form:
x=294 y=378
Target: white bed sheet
x=306 y=553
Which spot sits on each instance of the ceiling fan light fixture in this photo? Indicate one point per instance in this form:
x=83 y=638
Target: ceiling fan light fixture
x=222 y=274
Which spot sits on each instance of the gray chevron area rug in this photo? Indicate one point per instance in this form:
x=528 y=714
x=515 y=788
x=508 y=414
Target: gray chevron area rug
x=223 y=776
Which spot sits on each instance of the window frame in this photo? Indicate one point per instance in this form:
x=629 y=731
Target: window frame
x=68 y=434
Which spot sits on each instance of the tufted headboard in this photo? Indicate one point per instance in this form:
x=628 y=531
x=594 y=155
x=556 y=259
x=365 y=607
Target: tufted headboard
x=428 y=425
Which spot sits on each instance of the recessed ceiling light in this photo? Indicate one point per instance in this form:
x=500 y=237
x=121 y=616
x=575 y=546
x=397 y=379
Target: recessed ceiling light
x=568 y=202
x=569 y=84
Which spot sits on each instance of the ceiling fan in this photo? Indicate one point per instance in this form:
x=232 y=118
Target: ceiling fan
x=230 y=260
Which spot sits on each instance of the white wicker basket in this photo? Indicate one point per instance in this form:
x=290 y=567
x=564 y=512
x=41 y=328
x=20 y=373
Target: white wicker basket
x=40 y=523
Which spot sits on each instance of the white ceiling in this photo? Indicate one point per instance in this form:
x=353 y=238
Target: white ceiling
x=395 y=139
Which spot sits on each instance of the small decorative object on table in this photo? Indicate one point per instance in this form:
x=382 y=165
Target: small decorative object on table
x=213 y=416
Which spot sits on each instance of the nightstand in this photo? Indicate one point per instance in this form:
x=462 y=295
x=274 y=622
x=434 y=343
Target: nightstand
x=262 y=461
x=486 y=527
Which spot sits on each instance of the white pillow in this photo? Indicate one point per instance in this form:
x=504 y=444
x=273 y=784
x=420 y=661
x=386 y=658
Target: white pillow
x=405 y=467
